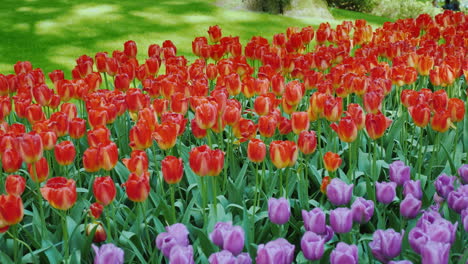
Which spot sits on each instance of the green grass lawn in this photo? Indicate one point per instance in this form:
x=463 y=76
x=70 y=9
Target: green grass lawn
x=52 y=34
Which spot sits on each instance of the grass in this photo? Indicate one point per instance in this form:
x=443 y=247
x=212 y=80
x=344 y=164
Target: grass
x=52 y=34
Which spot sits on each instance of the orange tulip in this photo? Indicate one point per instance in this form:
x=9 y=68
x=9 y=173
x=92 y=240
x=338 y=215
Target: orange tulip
x=197 y=131
x=108 y=156
x=34 y=113
x=331 y=161
x=137 y=187
x=95 y=210
x=172 y=169
x=11 y=160
x=355 y=111
x=294 y=92
x=373 y=101
x=91 y=159
x=42 y=170
x=140 y=136
x=77 y=128
x=60 y=192
x=177 y=119
x=15 y=185
x=256 y=150
x=206 y=115
x=307 y=142
x=214 y=32
x=205 y=161
x=166 y=135
x=456 y=108
x=376 y=124
x=104 y=190
x=262 y=105
x=439 y=100
x=424 y=64
x=284 y=126
x=325 y=181
x=49 y=139
x=421 y=114
x=441 y=121
x=267 y=125
x=232 y=115
x=11 y=210
x=98 y=136
x=299 y=122
x=30 y=147
x=137 y=163
x=346 y=129
x=65 y=153
x=283 y=153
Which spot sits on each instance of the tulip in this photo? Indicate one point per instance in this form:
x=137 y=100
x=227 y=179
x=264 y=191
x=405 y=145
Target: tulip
x=137 y=187
x=458 y=200
x=456 y=108
x=293 y=93
x=181 y=255
x=331 y=161
x=357 y=114
x=108 y=253
x=441 y=121
x=11 y=210
x=312 y=246
x=333 y=108
x=283 y=153
x=175 y=235
x=172 y=169
x=338 y=192
x=341 y=220
x=435 y=252
x=464 y=217
x=60 y=192
x=166 y=135
x=386 y=244
x=99 y=235
x=324 y=185
x=15 y=185
x=256 y=150
x=95 y=210
x=414 y=188
x=206 y=115
x=262 y=105
x=444 y=185
x=140 y=136
x=11 y=160
x=346 y=129
x=30 y=147
x=91 y=159
x=421 y=114
x=40 y=171
x=344 y=253
x=108 y=156
x=231 y=115
x=307 y=142
x=205 y=161
x=228 y=237
x=284 y=126
x=267 y=125
x=314 y=220
x=276 y=251
x=385 y=191
x=362 y=210
x=104 y=190
x=214 y=32
x=299 y=122
x=376 y=124
x=278 y=210
x=399 y=172
x=65 y=153
x=463 y=173
x=49 y=139
x=400 y=262
x=98 y=136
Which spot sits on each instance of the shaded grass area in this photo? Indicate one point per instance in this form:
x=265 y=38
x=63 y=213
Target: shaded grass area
x=52 y=34
x=342 y=14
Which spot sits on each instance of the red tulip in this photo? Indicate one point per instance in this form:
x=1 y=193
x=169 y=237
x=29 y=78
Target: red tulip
x=307 y=142
x=95 y=210
x=130 y=49
x=421 y=114
x=137 y=187
x=42 y=170
x=77 y=128
x=197 y=131
x=172 y=169
x=245 y=129
x=355 y=111
x=331 y=161
x=262 y=105
x=104 y=190
x=333 y=108
x=346 y=129
x=177 y=119
x=100 y=233
x=214 y=32
x=11 y=160
x=11 y=210
x=299 y=122
x=456 y=108
x=373 y=101
x=140 y=136
x=165 y=135
x=206 y=115
x=65 y=153
x=256 y=150
x=98 y=136
x=91 y=159
x=325 y=181
x=49 y=139
x=34 y=113
x=30 y=147
x=205 y=161
x=15 y=185
x=60 y=192
x=294 y=92
x=376 y=124
x=137 y=163
x=439 y=100
x=267 y=125
x=284 y=126
x=283 y=153
x=231 y=115
x=108 y=156
x=441 y=121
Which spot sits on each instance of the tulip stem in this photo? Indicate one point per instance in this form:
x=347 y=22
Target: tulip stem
x=319 y=141
x=65 y=236
x=215 y=199
x=173 y=205
x=257 y=192
x=280 y=182
x=39 y=199
x=15 y=242
x=419 y=161
x=16 y=239
x=208 y=137
x=203 y=194
x=105 y=80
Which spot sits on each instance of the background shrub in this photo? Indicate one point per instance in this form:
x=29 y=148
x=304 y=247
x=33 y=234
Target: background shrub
x=398 y=9
x=354 y=5
x=270 y=6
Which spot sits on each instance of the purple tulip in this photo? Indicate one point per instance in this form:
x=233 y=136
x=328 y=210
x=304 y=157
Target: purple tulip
x=442 y=231
x=410 y=207
x=458 y=200
x=329 y=234
x=222 y=257
x=363 y=210
x=344 y=253
x=413 y=187
x=338 y=192
x=228 y=237
x=244 y=258
x=108 y=253
x=386 y=245
x=429 y=217
x=463 y=172
x=314 y=220
x=278 y=210
x=176 y=235
x=464 y=217
x=385 y=191
x=276 y=251
x=400 y=262
x=181 y=255
x=399 y=172
x=444 y=184
x=435 y=253
x=417 y=239
x=341 y=220
x=312 y=246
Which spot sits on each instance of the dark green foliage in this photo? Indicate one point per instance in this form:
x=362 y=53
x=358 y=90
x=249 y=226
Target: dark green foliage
x=354 y=5
x=270 y=6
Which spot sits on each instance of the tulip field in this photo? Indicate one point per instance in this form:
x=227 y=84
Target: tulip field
x=344 y=144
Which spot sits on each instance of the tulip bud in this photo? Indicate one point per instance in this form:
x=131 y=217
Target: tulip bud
x=172 y=169
x=15 y=185
x=385 y=191
x=60 y=192
x=95 y=210
x=331 y=161
x=278 y=210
